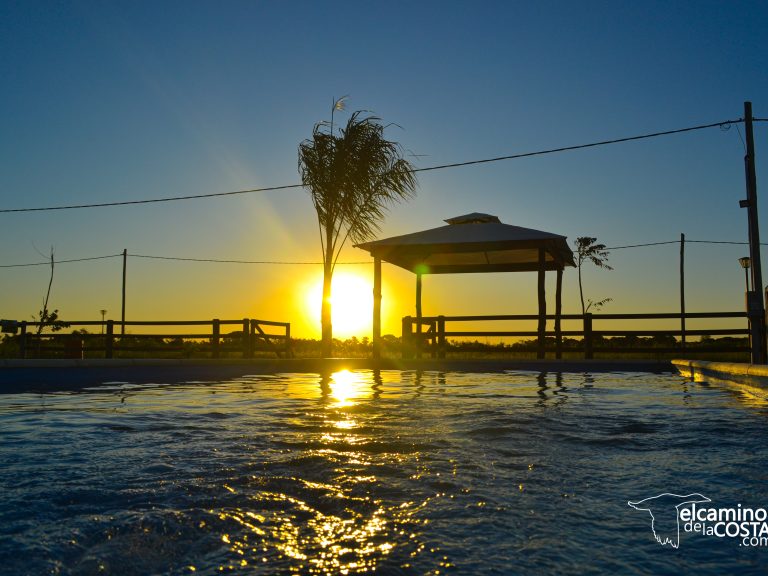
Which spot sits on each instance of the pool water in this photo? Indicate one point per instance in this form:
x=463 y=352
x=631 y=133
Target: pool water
x=397 y=472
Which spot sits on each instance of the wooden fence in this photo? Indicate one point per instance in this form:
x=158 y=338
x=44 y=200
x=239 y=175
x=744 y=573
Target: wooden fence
x=430 y=335
x=252 y=337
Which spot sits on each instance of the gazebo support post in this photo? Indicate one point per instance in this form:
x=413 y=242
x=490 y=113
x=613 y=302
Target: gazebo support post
x=377 y=308
x=558 y=313
x=469 y=244
x=418 y=315
x=540 y=353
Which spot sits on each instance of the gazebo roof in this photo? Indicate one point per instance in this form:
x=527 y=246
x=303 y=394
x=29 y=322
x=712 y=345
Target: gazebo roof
x=473 y=243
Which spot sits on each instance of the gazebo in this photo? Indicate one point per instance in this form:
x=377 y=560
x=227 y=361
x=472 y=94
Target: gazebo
x=472 y=243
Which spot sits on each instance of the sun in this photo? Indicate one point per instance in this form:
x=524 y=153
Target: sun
x=351 y=304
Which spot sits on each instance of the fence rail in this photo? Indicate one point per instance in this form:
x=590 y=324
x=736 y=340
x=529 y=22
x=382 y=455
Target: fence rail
x=430 y=335
x=251 y=338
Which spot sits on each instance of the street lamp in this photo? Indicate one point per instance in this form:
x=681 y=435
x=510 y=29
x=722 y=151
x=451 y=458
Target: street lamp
x=746 y=262
x=103 y=313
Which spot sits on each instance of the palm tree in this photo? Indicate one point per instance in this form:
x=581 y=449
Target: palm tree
x=588 y=251
x=353 y=175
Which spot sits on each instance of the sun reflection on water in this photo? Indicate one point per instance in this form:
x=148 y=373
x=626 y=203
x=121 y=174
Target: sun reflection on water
x=290 y=534
x=302 y=526
x=346 y=386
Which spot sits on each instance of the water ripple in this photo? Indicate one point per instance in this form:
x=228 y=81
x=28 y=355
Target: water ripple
x=401 y=472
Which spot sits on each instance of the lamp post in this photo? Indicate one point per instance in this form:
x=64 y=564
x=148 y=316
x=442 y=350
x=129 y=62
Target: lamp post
x=746 y=262
x=103 y=313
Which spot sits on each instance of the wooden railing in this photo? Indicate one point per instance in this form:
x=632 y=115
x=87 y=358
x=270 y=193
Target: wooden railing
x=251 y=338
x=430 y=335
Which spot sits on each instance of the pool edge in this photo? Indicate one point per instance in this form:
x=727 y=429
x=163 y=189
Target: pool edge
x=740 y=373
x=52 y=375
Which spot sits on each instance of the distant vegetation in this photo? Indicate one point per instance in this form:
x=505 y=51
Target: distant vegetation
x=391 y=347
x=573 y=348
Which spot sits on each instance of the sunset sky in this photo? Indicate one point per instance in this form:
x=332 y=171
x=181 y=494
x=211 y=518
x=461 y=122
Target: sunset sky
x=116 y=101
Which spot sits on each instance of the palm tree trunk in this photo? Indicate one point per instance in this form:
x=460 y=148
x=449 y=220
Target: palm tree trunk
x=325 y=315
x=325 y=309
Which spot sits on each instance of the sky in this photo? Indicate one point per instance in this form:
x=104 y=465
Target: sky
x=116 y=101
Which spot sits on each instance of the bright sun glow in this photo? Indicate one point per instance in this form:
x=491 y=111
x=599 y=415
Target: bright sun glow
x=351 y=302
x=345 y=386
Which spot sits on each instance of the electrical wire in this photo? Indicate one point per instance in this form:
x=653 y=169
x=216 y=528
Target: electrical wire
x=427 y=169
x=48 y=263
x=308 y=263
x=582 y=146
x=721 y=242
x=642 y=245
x=238 y=261
x=151 y=200
x=686 y=241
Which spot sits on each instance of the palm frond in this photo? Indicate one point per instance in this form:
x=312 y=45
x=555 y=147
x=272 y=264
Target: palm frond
x=353 y=177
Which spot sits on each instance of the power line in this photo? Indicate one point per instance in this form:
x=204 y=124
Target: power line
x=427 y=169
x=152 y=200
x=308 y=263
x=281 y=262
x=722 y=242
x=686 y=241
x=642 y=245
x=582 y=146
x=181 y=259
x=48 y=263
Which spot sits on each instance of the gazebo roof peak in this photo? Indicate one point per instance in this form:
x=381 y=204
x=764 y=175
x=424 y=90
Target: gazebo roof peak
x=473 y=218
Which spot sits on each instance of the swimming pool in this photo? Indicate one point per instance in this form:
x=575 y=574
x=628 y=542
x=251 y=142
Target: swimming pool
x=401 y=472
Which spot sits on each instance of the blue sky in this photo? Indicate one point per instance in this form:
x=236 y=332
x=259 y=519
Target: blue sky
x=131 y=100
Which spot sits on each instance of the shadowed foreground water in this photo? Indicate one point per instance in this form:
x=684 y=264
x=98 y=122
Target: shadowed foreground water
x=404 y=473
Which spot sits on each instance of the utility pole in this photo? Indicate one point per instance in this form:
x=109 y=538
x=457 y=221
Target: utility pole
x=755 y=304
x=682 y=290
x=125 y=262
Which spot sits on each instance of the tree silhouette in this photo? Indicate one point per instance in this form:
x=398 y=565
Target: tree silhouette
x=46 y=317
x=588 y=250
x=353 y=175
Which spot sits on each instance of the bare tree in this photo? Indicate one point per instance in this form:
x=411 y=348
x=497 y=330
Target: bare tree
x=588 y=250
x=46 y=317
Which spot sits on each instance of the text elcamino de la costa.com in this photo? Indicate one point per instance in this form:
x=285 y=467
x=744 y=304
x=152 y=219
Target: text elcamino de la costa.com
x=746 y=523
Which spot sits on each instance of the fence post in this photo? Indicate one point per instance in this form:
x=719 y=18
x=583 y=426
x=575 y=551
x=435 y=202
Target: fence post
x=405 y=340
x=588 y=354
x=288 y=349
x=23 y=340
x=246 y=337
x=73 y=346
x=252 y=339
x=419 y=343
x=110 y=341
x=441 y=336
x=558 y=315
x=216 y=334
x=433 y=340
